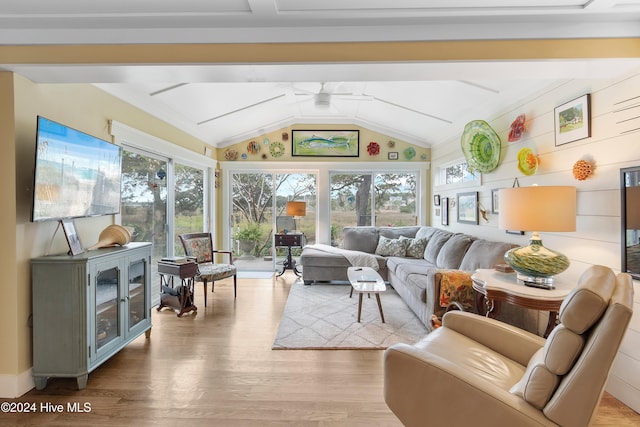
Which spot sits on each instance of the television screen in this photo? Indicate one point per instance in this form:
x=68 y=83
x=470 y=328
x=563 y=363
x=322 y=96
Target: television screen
x=76 y=174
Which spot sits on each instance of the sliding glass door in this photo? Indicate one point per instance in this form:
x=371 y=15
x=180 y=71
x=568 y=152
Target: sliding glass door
x=160 y=200
x=259 y=209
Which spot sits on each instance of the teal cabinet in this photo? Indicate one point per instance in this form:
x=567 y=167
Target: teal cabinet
x=86 y=308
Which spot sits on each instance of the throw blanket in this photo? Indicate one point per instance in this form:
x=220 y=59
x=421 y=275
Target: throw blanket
x=356 y=258
x=456 y=286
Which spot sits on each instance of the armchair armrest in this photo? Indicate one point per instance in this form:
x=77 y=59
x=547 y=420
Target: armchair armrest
x=216 y=251
x=508 y=340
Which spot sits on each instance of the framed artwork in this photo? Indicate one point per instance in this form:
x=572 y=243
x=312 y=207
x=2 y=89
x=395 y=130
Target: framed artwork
x=69 y=228
x=444 y=219
x=573 y=120
x=393 y=155
x=468 y=208
x=495 y=201
x=325 y=143
x=436 y=200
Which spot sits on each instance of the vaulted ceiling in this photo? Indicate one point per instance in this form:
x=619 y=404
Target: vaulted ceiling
x=422 y=101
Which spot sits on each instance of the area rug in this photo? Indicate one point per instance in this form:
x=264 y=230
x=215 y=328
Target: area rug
x=322 y=316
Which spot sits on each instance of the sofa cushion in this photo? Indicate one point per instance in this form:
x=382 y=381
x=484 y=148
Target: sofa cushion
x=406 y=266
x=425 y=232
x=397 y=232
x=391 y=247
x=435 y=243
x=415 y=247
x=484 y=254
x=363 y=239
x=417 y=285
x=453 y=250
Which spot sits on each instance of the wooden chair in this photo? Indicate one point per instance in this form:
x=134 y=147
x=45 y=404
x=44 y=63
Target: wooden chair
x=200 y=246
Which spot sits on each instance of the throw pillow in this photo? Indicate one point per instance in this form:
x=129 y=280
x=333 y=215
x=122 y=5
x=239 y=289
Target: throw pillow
x=390 y=247
x=415 y=247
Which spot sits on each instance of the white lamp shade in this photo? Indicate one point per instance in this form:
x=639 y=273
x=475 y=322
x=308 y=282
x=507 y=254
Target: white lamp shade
x=543 y=208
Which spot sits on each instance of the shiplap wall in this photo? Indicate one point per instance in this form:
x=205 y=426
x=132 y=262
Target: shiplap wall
x=612 y=146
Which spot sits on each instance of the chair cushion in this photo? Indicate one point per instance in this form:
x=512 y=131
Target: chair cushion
x=562 y=350
x=213 y=272
x=200 y=247
x=585 y=304
x=538 y=383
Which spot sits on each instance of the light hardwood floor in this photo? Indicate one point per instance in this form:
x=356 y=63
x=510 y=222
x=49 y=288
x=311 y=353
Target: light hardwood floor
x=217 y=369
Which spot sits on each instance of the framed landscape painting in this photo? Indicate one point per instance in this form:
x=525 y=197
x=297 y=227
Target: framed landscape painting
x=573 y=120
x=468 y=208
x=325 y=143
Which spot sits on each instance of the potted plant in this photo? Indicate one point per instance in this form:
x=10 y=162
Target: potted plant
x=248 y=236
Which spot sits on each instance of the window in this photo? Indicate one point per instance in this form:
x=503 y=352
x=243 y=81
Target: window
x=457 y=173
x=366 y=198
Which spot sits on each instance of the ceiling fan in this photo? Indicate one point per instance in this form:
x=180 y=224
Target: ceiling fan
x=322 y=98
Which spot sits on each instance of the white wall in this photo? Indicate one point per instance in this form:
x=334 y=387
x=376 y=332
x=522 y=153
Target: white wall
x=597 y=237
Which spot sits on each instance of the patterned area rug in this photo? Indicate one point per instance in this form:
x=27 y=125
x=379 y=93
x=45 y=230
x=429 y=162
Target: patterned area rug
x=322 y=316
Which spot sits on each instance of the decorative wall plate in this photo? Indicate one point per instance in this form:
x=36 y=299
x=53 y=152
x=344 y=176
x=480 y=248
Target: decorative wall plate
x=231 y=154
x=253 y=147
x=409 y=153
x=276 y=149
x=481 y=146
x=527 y=161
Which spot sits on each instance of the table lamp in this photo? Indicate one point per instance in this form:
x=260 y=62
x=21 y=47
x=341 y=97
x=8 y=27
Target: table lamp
x=537 y=208
x=296 y=210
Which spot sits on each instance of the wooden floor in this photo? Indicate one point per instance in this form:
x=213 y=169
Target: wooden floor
x=217 y=369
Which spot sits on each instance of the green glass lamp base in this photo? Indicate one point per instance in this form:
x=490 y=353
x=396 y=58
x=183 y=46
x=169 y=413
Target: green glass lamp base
x=535 y=264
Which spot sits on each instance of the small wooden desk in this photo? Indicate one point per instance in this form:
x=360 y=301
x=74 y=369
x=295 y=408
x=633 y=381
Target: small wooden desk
x=186 y=272
x=289 y=241
x=492 y=287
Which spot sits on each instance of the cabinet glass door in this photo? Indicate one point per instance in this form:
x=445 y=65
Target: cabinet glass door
x=107 y=306
x=137 y=301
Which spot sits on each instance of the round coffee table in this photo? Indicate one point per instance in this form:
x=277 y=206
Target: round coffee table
x=366 y=280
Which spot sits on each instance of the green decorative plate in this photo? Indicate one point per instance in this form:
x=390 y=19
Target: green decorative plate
x=481 y=146
x=527 y=161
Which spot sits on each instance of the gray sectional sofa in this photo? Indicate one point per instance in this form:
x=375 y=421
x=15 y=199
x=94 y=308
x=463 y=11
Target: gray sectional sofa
x=416 y=278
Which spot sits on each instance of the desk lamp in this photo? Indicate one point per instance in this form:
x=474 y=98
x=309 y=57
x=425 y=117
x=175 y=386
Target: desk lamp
x=296 y=210
x=550 y=208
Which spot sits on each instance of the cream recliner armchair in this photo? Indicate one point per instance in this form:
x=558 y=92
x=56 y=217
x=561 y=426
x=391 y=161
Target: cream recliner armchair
x=476 y=371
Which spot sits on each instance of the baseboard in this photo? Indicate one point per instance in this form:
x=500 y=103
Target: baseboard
x=12 y=386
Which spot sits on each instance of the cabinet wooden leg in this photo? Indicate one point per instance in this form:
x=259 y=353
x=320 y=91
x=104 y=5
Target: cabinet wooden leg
x=82 y=381
x=41 y=382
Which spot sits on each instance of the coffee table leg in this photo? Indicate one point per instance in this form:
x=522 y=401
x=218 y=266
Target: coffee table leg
x=359 y=305
x=380 y=307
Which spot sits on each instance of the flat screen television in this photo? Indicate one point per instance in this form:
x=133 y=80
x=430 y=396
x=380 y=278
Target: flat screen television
x=76 y=174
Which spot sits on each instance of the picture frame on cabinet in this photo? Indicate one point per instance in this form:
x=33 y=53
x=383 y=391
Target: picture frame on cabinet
x=69 y=228
x=573 y=120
